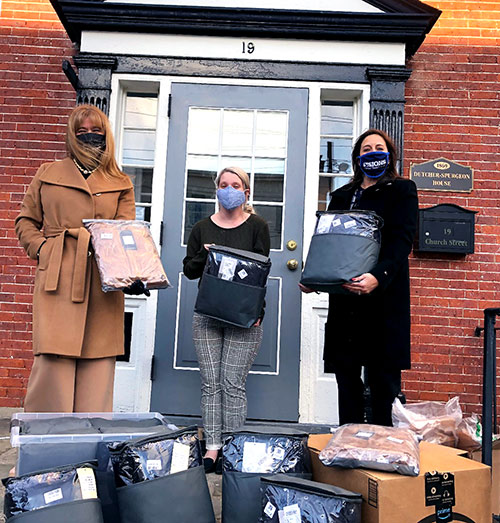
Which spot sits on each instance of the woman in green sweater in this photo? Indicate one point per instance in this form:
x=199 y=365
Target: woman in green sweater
x=225 y=352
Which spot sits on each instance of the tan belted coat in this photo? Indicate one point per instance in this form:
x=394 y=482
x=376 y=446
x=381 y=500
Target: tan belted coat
x=72 y=316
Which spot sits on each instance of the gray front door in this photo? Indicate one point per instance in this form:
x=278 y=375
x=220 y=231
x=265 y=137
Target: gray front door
x=262 y=130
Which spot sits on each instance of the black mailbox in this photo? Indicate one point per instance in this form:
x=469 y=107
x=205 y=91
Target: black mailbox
x=446 y=228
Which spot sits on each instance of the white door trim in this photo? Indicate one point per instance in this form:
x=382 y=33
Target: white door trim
x=312 y=382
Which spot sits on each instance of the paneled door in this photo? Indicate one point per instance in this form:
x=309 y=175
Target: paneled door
x=262 y=130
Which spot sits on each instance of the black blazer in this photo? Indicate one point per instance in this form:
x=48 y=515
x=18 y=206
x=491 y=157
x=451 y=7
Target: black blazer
x=374 y=329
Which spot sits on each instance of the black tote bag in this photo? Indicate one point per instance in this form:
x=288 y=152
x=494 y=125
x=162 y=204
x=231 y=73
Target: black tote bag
x=81 y=511
x=345 y=244
x=310 y=501
x=233 y=286
x=182 y=497
x=285 y=452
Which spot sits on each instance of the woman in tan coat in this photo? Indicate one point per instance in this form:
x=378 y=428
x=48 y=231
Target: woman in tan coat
x=77 y=328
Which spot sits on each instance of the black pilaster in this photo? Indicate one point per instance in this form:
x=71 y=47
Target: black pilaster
x=94 y=80
x=387 y=103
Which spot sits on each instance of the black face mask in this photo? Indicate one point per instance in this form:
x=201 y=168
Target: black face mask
x=93 y=140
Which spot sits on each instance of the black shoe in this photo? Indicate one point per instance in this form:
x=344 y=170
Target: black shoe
x=218 y=465
x=209 y=464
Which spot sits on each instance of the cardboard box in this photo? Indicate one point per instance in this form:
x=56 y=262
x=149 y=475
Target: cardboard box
x=389 y=497
x=495 y=465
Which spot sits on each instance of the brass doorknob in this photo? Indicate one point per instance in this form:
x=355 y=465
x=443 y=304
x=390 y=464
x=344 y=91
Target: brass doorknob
x=291 y=245
x=292 y=264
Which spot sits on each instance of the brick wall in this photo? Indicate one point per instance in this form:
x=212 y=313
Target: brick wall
x=35 y=98
x=453 y=110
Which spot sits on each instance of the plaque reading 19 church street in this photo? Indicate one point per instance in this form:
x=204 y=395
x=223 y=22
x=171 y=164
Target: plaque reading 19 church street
x=442 y=175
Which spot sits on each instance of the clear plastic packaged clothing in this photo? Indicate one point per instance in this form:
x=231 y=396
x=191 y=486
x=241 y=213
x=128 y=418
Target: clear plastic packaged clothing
x=233 y=286
x=373 y=447
x=155 y=456
x=345 y=244
x=287 y=498
x=125 y=252
x=266 y=453
x=238 y=266
x=50 y=487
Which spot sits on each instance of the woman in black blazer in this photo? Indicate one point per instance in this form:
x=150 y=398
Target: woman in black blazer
x=370 y=326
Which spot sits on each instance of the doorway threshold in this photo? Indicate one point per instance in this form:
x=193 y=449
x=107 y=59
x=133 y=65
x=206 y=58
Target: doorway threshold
x=309 y=428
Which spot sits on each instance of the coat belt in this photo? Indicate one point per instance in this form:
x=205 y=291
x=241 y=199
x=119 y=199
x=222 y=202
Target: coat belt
x=80 y=268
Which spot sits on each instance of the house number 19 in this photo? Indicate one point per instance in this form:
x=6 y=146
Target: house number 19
x=248 y=47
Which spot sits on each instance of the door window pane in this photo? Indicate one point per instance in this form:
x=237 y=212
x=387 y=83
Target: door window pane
x=196 y=211
x=201 y=174
x=138 y=147
x=336 y=118
x=269 y=179
x=237 y=133
x=254 y=140
x=271 y=134
x=274 y=217
x=203 y=130
x=335 y=155
x=337 y=128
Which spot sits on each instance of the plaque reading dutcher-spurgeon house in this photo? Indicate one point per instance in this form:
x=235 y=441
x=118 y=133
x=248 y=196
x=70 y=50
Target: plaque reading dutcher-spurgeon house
x=442 y=175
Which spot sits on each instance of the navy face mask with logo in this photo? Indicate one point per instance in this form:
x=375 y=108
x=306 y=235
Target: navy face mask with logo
x=93 y=140
x=374 y=164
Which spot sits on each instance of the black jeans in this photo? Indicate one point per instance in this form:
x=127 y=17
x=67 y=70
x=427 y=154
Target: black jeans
x=384 y=385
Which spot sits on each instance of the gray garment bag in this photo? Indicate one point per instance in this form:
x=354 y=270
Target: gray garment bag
x=345 y=244
x=272 y=450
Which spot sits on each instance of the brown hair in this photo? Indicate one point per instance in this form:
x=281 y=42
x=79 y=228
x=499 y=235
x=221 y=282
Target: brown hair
x=245 y=180
x=391 y=171
x=86 y=155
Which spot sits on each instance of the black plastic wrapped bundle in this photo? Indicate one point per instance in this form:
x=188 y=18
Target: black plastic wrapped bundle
x=345 y=244
x=56 y=486
x=155 y=456
x=233 y=286
x=162 y=479
x=252 y=452
x=309 y=501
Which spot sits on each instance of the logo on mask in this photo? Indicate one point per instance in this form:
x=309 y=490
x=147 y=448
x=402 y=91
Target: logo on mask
x=374 y=164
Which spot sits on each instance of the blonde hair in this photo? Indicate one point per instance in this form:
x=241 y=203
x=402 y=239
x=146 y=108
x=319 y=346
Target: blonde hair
x=245 y=180
x=86 y=155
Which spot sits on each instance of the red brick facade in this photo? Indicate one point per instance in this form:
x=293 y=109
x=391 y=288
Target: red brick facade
x=35 y=98
x=453 y=110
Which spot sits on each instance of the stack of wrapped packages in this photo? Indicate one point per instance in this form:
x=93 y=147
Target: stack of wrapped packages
x=86 y=468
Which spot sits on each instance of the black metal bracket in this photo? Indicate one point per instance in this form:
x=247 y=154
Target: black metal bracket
x=70 y=74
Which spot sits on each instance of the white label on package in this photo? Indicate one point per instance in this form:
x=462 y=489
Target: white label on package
x=128 y=239
x=53 y=495
x=278 y=453
x=269 y=510
x=336 y=222
x=227 y=268
x=349 y=224
x=364 y=435
x=324 y=223
x=106 y=235
x=395 y=440
x=180 y=457
x=291 y=514
x=254 y=457
x=88 y=487
x=243 y=274
x=153 y=464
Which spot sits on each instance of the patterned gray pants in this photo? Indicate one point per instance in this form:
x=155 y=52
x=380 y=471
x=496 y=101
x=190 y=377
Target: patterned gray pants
x=225 y=356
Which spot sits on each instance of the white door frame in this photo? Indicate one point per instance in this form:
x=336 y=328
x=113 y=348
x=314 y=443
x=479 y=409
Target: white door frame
x=317 y=390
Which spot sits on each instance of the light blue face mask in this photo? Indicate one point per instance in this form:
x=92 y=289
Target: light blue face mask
x=230 y=198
